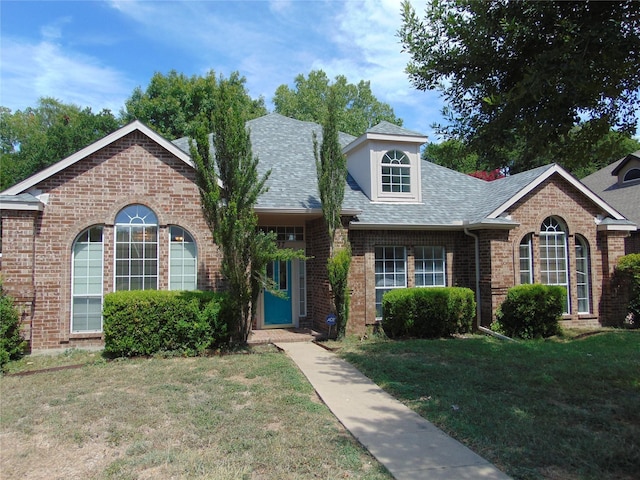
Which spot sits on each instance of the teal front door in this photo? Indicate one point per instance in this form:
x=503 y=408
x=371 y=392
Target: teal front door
x=277 y=310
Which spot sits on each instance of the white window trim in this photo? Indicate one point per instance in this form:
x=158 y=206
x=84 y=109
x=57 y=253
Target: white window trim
x=73 y=295
x=170 y=257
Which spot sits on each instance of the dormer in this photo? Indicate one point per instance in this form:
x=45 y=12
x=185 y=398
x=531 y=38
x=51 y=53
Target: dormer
x=628 y=171
x=385 y=161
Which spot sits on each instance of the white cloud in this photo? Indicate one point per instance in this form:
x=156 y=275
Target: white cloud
x=33 y=70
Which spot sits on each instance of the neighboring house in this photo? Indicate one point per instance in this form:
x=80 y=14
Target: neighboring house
x=619 y=185
x=124 y=213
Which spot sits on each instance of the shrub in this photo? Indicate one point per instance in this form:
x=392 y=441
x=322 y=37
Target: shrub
x=531 y=311
x=11 y=342
x=428 y=312
x=628 y=276
x=148 y=322
x=338 y=270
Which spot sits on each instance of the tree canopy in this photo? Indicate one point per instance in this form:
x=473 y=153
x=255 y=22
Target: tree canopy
x=34 y=138
x=357 y=108
x=553 y=78
x=171 y=103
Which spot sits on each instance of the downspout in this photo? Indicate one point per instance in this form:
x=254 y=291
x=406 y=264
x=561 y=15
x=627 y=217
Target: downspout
x=478 y=304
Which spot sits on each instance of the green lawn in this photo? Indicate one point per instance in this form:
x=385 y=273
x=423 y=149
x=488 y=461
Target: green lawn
x=242 y=416
x=555 y=409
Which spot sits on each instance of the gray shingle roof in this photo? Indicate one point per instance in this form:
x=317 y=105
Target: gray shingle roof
x=450 y=198
x=624 y=198
x=391 y=129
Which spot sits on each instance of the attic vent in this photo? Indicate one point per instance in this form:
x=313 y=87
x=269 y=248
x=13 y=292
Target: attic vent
x=631 y=175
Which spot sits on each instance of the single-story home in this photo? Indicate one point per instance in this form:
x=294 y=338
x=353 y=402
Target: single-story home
x=124 y=213
x=619 y=185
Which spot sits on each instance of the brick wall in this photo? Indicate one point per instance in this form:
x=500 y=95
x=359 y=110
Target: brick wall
x=91 y=192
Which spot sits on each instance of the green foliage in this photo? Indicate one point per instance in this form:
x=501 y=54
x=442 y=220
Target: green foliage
x=531 y=311
x=229 y=188
x=453 y=154
x=37 y=137
x=627 y=276
x=171 y=103
x=428 y=312
x=528 y=82
x=357 y=107
x=152 y=321
x=11 y=342
x=338 y=268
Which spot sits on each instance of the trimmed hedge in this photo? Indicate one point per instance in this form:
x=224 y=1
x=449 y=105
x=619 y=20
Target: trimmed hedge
x=11 y=342
x=154 y=321
x=428 y=312
x=627 y=275
x=531 y=311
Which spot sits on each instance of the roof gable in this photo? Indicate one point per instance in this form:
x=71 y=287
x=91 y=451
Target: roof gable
x=136 y=125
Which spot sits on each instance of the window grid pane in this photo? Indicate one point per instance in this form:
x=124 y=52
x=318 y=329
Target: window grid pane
x=396 y=172
x=582 y=275
x=302 y=270
x=526 y=260
x=430 y=267
x=136 y=261
x=183 y=260
x=87 y=281
x=553 y=257
x=390 y=272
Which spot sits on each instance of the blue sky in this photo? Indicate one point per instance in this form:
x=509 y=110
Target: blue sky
x=94 y=53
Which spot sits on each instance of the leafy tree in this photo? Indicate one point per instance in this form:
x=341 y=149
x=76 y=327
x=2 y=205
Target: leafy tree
x=230 y=186
x=551 y=77
x=331 y=168
x=172 y=102
x=357 y=107
x=453 y=154
x=37 y=137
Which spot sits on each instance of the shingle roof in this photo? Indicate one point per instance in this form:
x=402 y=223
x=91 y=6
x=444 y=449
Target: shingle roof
x=449 y=198
x=625 y=198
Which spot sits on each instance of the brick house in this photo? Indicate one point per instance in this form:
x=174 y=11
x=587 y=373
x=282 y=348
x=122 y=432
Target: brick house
x=124 y=213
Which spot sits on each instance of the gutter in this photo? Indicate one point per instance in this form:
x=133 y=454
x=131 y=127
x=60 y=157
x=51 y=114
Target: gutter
x=478 y=305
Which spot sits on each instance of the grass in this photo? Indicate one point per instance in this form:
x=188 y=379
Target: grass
x=558 y=409
x=241 y=416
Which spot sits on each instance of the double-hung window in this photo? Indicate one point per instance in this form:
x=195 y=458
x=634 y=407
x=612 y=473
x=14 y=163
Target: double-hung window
x=390 y=272
x=430 y=267
x=87 y=281
x=396 y=172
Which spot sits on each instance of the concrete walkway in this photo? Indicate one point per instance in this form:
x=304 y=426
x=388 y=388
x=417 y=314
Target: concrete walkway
x=406 y=444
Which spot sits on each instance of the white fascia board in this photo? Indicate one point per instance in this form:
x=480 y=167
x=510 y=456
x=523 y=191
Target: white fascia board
x=569 y=178
x=384 y=137
x=455 y=226
x=612 y=227
x=22 y=206
x=94 y=147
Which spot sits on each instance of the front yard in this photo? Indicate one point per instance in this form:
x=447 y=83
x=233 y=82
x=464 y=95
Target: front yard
x=558 y=409
x=251 y=416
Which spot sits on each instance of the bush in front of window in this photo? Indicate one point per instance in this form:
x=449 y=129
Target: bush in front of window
x=531 y=311
x=627 y=275
x=11 y=342
x=152 y=321
x=427 y=312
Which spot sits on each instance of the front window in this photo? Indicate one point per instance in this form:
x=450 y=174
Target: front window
x=526 y=259
x=396 y=172
x=582 y=274
x=183 y=260
x=430 y=267
x=554 y=263
x=87 y=281
x=390 y=272
x=136 y=249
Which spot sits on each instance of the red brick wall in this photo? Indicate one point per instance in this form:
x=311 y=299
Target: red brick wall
x=17 y=262
x=554 y=197
x=92 y=191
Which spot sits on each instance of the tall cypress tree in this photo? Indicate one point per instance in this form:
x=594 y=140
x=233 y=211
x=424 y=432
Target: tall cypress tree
x=229 y=188
x=331 y=168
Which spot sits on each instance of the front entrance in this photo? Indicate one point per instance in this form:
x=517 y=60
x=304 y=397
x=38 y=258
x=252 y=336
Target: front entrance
x=278 y=311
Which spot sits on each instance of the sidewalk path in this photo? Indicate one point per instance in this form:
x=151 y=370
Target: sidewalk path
x=409 y=446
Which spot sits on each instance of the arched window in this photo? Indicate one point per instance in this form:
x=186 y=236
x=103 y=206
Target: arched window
x=633 y=174
x=136 y=249
x=554 y=263
x=582 y=274
x=526 y=259
x=87 y=281
x=396 y=172
x=183 y=260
